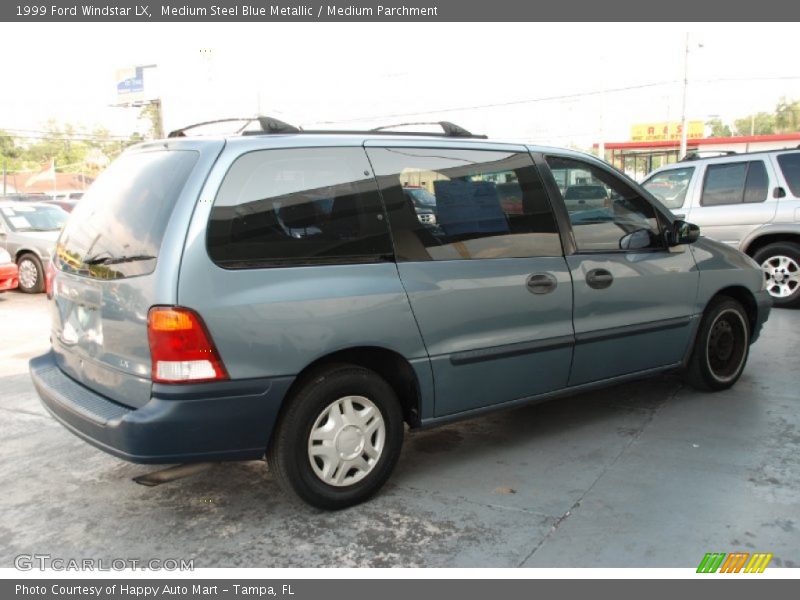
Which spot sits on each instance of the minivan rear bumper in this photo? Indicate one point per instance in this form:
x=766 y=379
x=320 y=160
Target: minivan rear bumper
x=229 y=420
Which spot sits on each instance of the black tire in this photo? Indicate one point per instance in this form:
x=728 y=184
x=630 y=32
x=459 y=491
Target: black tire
x=31 y=260
x=289 y=453
x=721 y=346
x=771 y=256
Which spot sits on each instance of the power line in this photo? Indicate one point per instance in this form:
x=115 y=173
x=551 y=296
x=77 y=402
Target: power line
x=61 y=135
x=502 y=104
x=553 y=98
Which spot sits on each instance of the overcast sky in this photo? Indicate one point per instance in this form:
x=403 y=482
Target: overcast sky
x=359 y=75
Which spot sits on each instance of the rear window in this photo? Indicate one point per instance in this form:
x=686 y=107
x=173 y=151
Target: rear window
x=116 y=229
x=24 y=218
x=790 y=166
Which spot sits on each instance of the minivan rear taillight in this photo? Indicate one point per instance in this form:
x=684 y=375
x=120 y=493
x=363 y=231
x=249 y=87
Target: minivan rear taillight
x=181 y=349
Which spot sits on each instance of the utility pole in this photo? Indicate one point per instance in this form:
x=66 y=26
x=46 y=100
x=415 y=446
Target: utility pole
x=684 y=132
x=158 y=118
x=601 y=145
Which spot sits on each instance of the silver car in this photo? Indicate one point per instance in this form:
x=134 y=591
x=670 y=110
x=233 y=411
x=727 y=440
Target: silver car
x=750 y=201
x=28 y=231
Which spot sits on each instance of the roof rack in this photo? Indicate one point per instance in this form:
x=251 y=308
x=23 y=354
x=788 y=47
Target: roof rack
x=717 y=153
x=270 y=125
x=722 y=153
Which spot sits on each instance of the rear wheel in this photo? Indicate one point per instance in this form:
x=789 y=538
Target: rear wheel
x=31 y=274
x=339 y=439
x=721 y=347
x=781 y=265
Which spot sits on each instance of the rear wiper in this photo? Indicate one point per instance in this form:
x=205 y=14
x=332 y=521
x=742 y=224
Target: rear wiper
x=113 y=260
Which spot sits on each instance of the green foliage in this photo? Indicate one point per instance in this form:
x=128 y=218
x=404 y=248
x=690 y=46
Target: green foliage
x=784 y=119
x=787 y=116
x=152 y=114
x=718 y=128
x=75 y=149
x=756 y=124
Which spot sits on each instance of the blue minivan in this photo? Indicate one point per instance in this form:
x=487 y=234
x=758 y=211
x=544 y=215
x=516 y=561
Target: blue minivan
x=277 y=292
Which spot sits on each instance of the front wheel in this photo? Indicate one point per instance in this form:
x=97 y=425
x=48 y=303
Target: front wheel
x=781 y=265
x=339 y=438
x=721 y=346
x=31 y=274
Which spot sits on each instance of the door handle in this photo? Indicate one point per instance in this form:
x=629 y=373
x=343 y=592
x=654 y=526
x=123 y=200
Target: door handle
x=541 y=283
x=599 y=279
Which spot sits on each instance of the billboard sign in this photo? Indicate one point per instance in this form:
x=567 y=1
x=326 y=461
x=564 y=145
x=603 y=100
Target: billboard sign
x=135 y=85
x=659 y=132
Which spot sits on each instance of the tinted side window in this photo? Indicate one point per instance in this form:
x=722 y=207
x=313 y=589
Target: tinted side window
x=724 y=184
x=790 y=166
x=606 y=213
x=464 y=204
x=734 y=183
x=299 y=206
x=757 y=185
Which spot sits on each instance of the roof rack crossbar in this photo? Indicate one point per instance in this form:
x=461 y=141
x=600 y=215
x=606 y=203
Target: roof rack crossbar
x=271 y=125
x=181 y=132
x=448 y=129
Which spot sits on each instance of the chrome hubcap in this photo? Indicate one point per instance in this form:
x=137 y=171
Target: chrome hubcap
x=782 y=274
x=28 y=274
x=346 y=441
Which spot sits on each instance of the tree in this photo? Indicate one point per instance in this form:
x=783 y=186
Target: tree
x=756 y=124
x=718 y=128
x=151 y=113
x=787 y=116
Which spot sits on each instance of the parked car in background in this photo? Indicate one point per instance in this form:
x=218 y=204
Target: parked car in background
x=8 y=272
x=750 y=201
x=38 y=197
x=424 y=203
x=71 y=196
x=580 y=197
x=63 y=204
x=259 y=294
x=28 y=232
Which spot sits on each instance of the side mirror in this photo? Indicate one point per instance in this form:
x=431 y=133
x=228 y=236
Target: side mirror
x=635 y=240
x=779 y=192
x=683 y=233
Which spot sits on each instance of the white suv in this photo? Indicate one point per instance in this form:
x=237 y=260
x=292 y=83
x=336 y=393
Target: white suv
x=751 y=201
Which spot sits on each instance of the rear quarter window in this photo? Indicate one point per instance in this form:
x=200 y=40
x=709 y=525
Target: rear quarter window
x=790 y=167
x=298 y=207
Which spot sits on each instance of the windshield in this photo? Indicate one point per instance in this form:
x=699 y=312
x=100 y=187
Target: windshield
x=34 y=218
x=122 y=217
x=670 y=186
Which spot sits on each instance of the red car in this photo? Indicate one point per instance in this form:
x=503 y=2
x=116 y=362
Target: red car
x=9 y=278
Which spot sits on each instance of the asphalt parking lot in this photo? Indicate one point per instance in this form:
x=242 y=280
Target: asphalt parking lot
x=644 y=474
